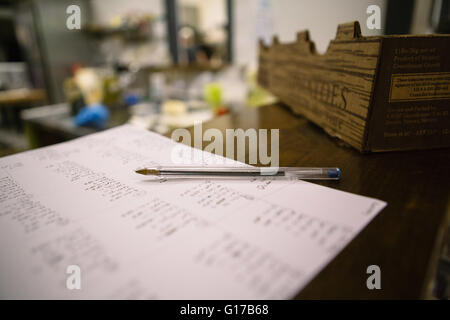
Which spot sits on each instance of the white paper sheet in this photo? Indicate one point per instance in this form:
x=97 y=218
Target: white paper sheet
x=80 y=203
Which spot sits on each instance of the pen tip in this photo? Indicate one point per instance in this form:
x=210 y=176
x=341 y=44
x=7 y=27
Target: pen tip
x=142 y=171
x=148 y=172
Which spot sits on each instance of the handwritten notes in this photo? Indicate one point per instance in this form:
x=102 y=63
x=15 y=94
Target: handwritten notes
x=80 y=203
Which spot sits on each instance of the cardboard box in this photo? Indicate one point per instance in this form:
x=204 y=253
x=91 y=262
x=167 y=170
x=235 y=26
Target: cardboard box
x=380 y=93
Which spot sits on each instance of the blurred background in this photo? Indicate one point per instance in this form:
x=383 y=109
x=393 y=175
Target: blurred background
x=160 y=64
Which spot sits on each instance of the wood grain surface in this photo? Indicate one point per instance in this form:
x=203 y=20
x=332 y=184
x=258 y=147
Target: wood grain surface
x=334 y=89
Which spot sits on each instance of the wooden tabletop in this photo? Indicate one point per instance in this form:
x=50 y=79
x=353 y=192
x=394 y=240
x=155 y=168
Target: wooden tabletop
x=20 y=96
x=403 y=240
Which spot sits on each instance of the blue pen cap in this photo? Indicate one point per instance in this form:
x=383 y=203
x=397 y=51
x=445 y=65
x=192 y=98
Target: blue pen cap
x=334 y=173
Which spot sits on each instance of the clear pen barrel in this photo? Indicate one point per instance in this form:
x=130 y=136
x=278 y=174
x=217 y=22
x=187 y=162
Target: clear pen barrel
x=246 y=172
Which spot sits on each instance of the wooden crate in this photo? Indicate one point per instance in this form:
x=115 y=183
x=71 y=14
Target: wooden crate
x=378 y=93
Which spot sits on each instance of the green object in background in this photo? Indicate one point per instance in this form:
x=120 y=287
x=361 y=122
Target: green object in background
x=258 y=96
x=111 y=91
x=213 y=95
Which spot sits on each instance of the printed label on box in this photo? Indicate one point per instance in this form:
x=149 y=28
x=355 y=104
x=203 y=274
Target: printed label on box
x=420 y=86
